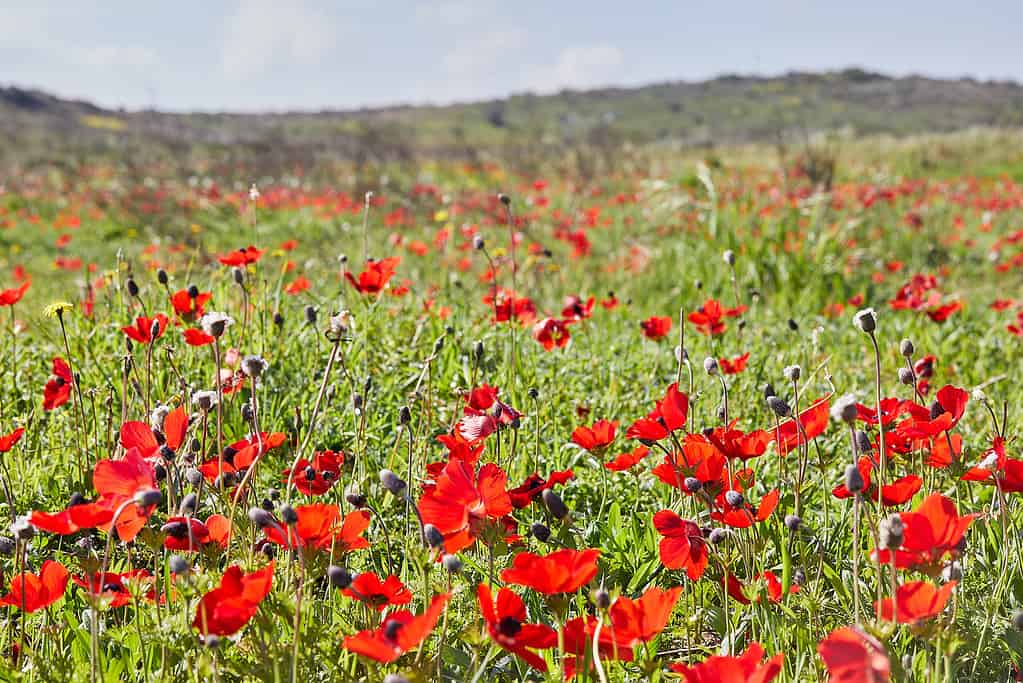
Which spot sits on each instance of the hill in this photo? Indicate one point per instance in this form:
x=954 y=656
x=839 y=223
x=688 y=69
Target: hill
x=726 y=110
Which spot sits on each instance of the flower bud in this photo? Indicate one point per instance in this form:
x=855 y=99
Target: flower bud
x=718 y=536
x=734 y=498
x=356 y=500
x=433 y=536
x=853 y=479
x=161 y=277
x=540 y=531
x=601 y=598
x=477 y=242
x=792 y=372
x=261 y=517
x=866 y=320
x=890 y=532
x=239 y=275
x=254 y=366
x=729 y=257
x=288 y=515
x=844 y=409
x=339 y=576
x=452 y=563
x=907 y=377
x=906 y=348
x=133 y=287
x=392 y=482
x=793 y=522
x=693 y=484
x=188 y=505
x=404 y=415
x=778 y=406
x=710 y=365
x=148 y=497
x=554 y=504
x=179 y=565
x=862 y=441
x=22 y=529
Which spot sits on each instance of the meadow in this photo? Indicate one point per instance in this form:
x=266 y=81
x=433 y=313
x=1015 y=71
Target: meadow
x=698 y=419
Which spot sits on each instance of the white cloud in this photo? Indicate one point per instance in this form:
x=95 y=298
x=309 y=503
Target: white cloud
x=583 y=66
x=475 y=67
x=262 y=33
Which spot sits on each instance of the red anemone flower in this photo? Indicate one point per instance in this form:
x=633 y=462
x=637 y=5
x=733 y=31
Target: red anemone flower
x=149 y=443
x=117 y=482
x=114 y=588
x=683 y=545
x=708 y=319
x=597 y=438
x=639 y=621
x=227 y=608
x=656 y=327
x=945 y=414
x=399 y=633
x=533 y=487
x=914 y=602
x=996 y=468
x=57 y=391
x=896 y=493
x=852 y=656
x=563 y=571
x=297 y=286
x=317 y=477
x=33 y=592
x=190 y=304
x=744 y=515
x=9 y=297
x=506 y=623
x=189 y=534
x=627 y=460
x=814 y=420
x=370 y=590
x=144 y=328
x=463 y=504
x=375 y=277
x=7 y=441
x=735 y=365
x=551 y=333
x=195 y=336
x=931 y=531
x=320 y=526
x=668 y=415
x=241 y=257
x=746 y=668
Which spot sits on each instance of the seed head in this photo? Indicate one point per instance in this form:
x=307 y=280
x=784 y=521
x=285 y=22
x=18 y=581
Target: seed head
x=179 y=565
x=693 y=484
x=540 y=531
x=890 y=532
x=793 y=522
x=452 y=563
x=215 y=324
x=853 y=479
x=254 y=366
x=288 y=515
x=601 y=598
x=433 y=536
x=866 y=320
x=792 y=372
x=844 y=409
x=477 y=242
x=729 y=257
x=778 y=406
x=718 y=536
x=734 y=498
x=261 y=517
x=161 y=276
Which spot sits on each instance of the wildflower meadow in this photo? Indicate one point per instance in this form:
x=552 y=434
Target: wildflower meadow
x=710 y=421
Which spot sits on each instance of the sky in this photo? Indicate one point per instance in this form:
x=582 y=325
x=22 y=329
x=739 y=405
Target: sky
x=283 y=55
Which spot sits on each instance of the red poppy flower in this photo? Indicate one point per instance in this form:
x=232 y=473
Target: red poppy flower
x=896 y=493
x=576 y=308
x=944 y=415
x=683 y=545
x=9 y=297
x=506 y=623
x=551 y=333
x=563 y=571
x=149 y=444
x=7 y=441
x=656 y=327
x=227 y=608
x=33 y=592
x=773 y=587
x=996 y=468
x=463 y=503
x=627 y=460
x=142 y=331
x=195 y=336
x=699 y=459
x=189 y=307
x=891 y=408
x=57 y=391
x=735 y=365
x=315 y=478
x=297 y=286
x=189 y=534
x=914 y=602
x=596 y=438
x=241 y=257
x=479 y=424
x=369 y=589
x=399 y=633
x=736 y=444
x=639 y=621
x=533 y=487
x=744 y=515
x=852 y=656
x=668 y=415
x=577 y=641
x=746 y=668
x=508 y=306
x=814 y=421
x=375 y=277
x=320 y=526
x=708 y=319
x=114 y=588
x=117 y=482
x=931 y=531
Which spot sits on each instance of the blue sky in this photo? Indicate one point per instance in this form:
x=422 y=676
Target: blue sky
x=254 y=55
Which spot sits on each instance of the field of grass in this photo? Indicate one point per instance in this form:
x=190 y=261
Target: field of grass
x=573 y=397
